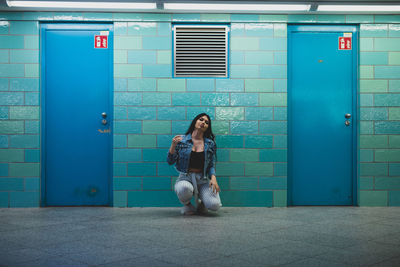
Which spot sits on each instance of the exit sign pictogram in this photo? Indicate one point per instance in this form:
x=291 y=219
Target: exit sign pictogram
x=100 y=41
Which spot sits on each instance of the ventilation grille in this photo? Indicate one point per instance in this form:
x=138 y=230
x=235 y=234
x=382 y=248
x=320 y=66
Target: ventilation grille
x=200 y=51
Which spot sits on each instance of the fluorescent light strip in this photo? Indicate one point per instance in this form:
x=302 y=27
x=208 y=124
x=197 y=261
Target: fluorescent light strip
x=92 y=5
x=235 y=7
x=361 y=8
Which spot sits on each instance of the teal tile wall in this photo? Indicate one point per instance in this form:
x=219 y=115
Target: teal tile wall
x=379 y=105
x=241 y=106
x=20 y=113
x=249 y=109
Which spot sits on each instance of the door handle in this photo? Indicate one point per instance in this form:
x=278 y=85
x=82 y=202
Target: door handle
x=104 y=115
x=347 y=116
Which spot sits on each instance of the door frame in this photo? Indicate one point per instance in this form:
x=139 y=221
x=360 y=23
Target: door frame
x=44 y=27
x=291 y=28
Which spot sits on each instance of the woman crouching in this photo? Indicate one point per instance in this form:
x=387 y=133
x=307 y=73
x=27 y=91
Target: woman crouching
x=194 y=155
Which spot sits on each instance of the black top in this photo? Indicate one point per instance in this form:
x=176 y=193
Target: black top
x=196 y=160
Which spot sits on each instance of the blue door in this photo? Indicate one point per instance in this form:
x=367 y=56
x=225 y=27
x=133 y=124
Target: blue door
x=76 y=114
x=322 y=89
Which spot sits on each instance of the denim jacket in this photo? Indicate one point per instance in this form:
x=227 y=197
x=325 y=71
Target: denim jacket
x=182 y=155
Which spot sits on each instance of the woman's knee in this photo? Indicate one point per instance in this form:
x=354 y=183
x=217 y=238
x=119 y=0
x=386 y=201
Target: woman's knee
x=184 y=191
x=212 y=203
x=214 y=206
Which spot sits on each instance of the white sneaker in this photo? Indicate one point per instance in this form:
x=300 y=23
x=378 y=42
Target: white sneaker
x=188 y=209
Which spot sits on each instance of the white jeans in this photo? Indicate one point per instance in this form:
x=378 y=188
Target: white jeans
x=191 y=184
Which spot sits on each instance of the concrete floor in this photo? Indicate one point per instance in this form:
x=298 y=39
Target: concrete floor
x=299 y=236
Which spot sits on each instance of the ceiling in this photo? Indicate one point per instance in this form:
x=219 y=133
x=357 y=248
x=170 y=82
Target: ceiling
x=5 y=7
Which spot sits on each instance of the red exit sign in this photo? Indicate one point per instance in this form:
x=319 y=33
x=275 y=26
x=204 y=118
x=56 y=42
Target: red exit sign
x=344 y=43
x=100 y=41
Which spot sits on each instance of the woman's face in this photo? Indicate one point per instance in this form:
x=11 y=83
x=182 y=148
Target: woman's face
x=202 y=123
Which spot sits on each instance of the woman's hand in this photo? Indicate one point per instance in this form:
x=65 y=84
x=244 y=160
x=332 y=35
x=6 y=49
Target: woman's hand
x=176 y=139
x=214 y=185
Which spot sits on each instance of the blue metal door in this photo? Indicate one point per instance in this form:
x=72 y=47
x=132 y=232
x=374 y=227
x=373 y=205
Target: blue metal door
x=322 y=90
x=76 y=113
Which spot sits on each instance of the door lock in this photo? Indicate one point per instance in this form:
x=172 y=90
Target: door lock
x=347 y=123
x=104 y=121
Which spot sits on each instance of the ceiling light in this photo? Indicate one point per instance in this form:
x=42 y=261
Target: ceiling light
x=359 y=8
x=92 y=5
x=235 y=7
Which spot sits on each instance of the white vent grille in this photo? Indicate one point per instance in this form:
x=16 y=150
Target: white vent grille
x=200 y=51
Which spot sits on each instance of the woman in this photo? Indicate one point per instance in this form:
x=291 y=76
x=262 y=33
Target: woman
x=194 y=155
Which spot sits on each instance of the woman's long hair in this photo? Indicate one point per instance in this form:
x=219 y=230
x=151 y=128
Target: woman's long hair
x=208 y=133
